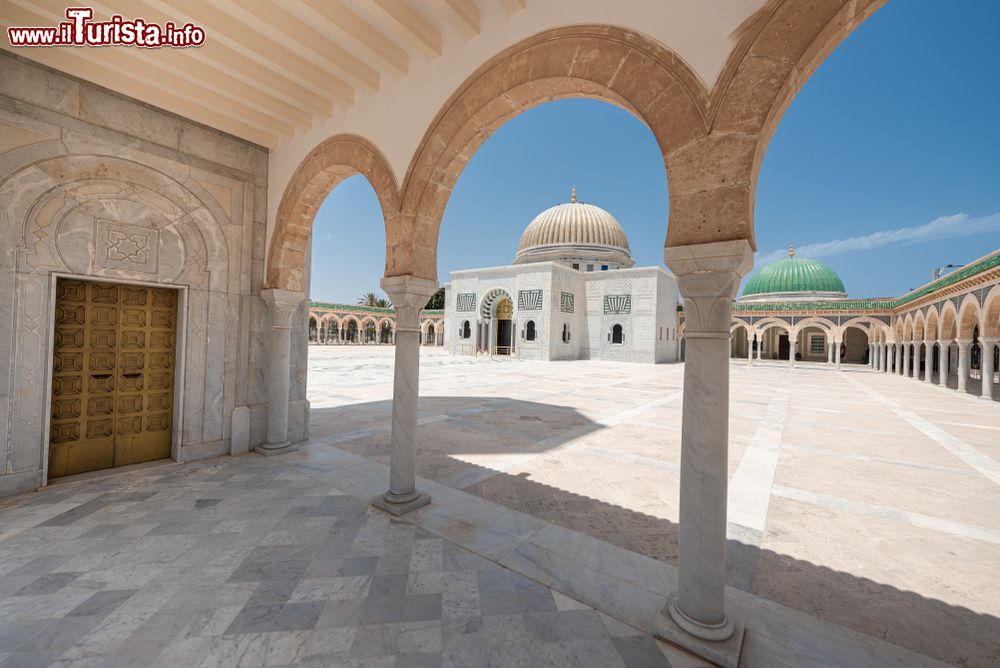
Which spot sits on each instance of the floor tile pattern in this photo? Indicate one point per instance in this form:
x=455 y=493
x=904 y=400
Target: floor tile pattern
x=240 y=562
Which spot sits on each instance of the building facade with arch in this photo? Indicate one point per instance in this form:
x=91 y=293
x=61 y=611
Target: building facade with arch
x=572 y=293
x=945 y=332
x=343 y=324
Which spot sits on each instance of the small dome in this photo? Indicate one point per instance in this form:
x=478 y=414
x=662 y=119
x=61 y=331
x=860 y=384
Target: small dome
x=575 y=232
x=794 y=279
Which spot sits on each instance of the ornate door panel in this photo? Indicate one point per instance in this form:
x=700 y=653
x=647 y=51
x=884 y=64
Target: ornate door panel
x=113 y=370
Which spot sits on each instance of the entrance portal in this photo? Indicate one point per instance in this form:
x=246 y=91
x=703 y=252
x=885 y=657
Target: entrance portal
x=112 y=375
x=505 y=328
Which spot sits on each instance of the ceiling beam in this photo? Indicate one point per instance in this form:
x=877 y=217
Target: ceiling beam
x=260 y=47
x=512 y=6
x=407 y=24
x=246 y=69
x=177 y=62
x=462 y=15
x=135 y=86
x=129 y=61
x=341 y=22
x=298 y=35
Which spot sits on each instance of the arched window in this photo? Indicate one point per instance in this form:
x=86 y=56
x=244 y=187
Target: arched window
x=466 y=330
x=617 y=334
x=529 y=330
x=565 y=334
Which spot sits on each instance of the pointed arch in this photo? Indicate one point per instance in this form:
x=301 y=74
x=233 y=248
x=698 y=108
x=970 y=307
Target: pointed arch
x=320 y=172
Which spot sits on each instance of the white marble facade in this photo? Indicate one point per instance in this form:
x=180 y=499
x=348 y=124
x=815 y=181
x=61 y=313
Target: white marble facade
x=94 y=185
x=642 y=301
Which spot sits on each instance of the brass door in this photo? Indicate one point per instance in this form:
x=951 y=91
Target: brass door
x=113 y=375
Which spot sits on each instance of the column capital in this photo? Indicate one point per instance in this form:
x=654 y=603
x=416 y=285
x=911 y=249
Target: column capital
x=409 y=294
x=988 y=340
x=708 y=276
x=963 y=343
x=283 y=304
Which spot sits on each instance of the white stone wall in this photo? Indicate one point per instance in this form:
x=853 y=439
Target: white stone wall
x=79 y=164
x=653 y=309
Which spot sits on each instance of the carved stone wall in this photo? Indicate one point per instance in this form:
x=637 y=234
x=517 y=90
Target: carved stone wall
x=96 y=185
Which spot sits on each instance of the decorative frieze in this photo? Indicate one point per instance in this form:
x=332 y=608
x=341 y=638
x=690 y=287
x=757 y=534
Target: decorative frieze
x=465 y=301
x=529 y=300
x=566 y=304
x=617 y=304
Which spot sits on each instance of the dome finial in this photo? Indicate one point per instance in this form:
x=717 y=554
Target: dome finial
x=791 y=251
x=572 y=195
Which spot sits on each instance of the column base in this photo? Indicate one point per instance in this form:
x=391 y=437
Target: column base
x=271 y=449
x=397 y=508
x=677 y=628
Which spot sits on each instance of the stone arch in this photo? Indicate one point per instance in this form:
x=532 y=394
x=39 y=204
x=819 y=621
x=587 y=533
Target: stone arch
x=346 y=324
x=908 y=328
x=488 y=299
x=762 y=326
x=878 y=332
x=968 y=316
x=607 y=63
x=931 y=325
x=991 y=313
x=782 y=45
x=319 y=173
x=820 y=323
x=918 y=326
x=949 y=321
x=49 y=193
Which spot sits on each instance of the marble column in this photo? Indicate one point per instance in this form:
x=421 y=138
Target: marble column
x=792 y=345
x=282 y=304
x=708 y=276
x=943 y=361
x=829 y=353
x=906 y=360
x=987 y=366
x=929 y=364
x=836 y=347
x=408 y=295
x=964 y=345
x=880 y=356
x=871 y=355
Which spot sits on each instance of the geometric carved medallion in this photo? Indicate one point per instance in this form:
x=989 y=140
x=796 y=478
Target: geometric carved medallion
x=123 y=246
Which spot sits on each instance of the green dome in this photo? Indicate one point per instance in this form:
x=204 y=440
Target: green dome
x=794 y=275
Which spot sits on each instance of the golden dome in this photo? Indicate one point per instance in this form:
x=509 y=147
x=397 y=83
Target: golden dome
x=574 y=231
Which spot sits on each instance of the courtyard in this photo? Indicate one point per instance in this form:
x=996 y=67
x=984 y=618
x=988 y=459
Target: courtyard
x=861 y=533
x=863 y=499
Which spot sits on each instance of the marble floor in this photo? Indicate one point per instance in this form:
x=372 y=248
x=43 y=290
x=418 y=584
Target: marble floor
x=863 y=529
x=865 y=500
x=246 y=561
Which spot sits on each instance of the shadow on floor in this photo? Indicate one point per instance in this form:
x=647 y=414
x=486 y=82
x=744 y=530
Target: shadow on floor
x=928 y=626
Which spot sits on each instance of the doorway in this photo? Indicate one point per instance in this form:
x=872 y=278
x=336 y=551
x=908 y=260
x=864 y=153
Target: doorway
x=112 y=375
x=505 y=328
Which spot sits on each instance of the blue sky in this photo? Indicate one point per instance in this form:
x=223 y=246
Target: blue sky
x=884 y=167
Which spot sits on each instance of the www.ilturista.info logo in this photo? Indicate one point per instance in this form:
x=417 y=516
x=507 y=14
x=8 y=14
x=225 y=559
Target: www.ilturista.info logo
x=79 y=30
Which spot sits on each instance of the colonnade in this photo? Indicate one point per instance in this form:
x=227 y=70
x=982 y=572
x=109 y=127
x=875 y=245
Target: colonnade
x=903 y=359
x=708 y=276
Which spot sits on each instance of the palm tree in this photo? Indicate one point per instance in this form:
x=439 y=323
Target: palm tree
x=371 y=299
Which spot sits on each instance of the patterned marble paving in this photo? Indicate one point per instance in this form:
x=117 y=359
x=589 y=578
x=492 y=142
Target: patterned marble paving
x=243 y=562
